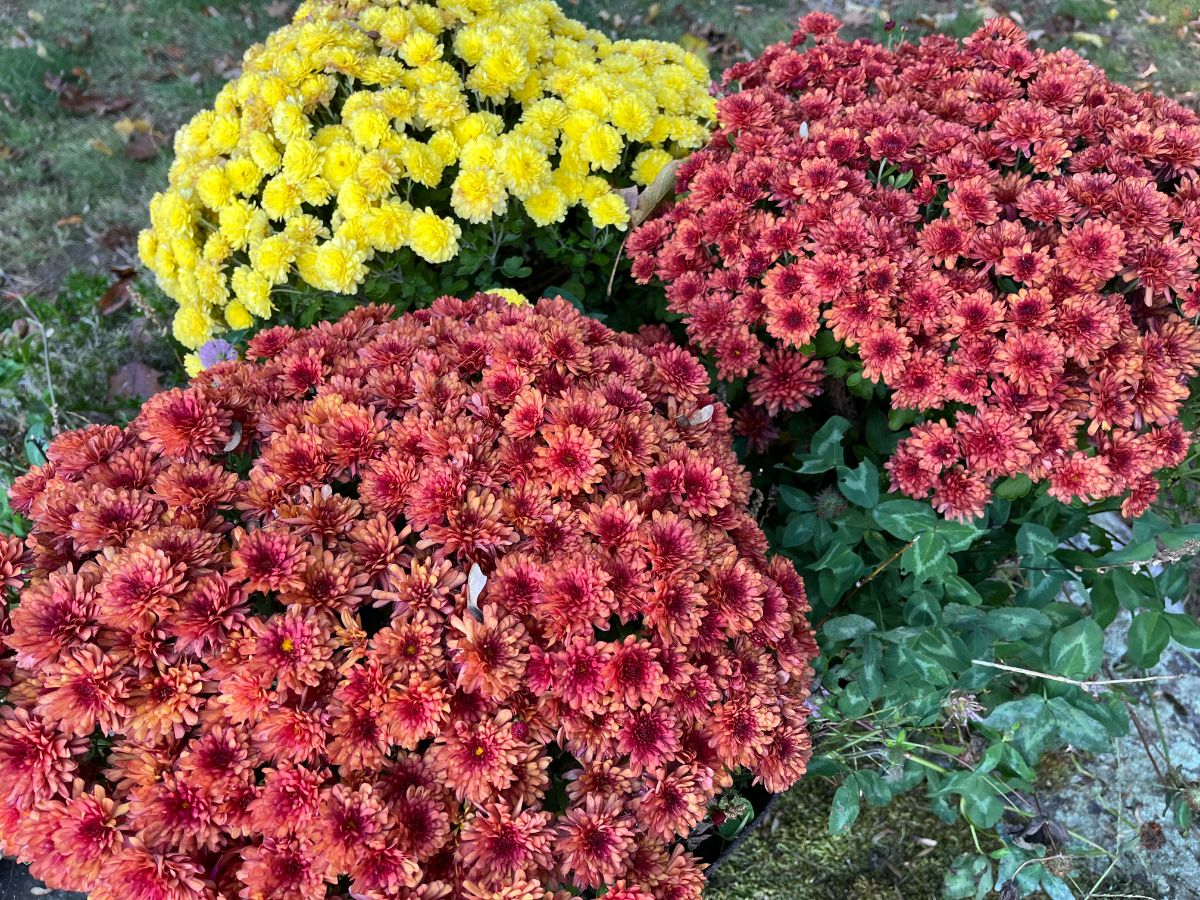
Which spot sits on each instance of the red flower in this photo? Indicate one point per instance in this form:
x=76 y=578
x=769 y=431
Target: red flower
x=302 y=692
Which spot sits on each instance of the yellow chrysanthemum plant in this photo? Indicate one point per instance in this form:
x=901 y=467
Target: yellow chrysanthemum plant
x=388 y=150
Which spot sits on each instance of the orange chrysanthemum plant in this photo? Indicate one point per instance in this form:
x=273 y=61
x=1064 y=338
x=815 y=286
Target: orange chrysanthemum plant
x=461 y=604
x=1001 y=238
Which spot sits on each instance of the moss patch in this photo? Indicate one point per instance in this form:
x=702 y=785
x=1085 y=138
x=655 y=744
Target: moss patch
x=898 y=852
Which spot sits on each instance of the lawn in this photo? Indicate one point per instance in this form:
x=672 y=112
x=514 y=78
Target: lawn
x=90 y=93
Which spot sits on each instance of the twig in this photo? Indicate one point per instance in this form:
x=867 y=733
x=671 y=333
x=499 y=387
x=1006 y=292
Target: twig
x=45 y=355
x=1086 y=685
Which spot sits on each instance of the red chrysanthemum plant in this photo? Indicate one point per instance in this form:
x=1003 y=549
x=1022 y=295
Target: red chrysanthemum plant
x=461 y=604
x=1001 y=236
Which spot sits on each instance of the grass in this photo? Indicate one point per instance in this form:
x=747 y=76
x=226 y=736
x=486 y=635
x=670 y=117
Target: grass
x=74 y=200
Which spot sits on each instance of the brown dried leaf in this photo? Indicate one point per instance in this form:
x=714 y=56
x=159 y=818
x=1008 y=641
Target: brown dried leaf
x=70 y=221
x=79 y=102
x=143 y=147
x=136 y=381
x=117 y=295
x=655 y=193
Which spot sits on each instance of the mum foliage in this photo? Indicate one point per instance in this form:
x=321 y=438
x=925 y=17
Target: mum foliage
x=1000 y=236
x=366 y=129
x=465 y=603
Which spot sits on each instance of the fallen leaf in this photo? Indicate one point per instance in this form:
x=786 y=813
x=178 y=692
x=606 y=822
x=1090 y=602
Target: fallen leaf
x=69 y=221
x=279 y=9
x=1149 y=70
x=136 y=381
x=143 y=147
x=116 y=236
x=128 y=127
x=655 y=193
x=36 y=16
x=75 y=100
x=117 y=295
x=1087 y=37
x=100 y=146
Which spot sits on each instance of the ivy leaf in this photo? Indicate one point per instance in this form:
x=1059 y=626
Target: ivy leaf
x=1017 y=622
x=970 y=876
x=795 y=500
x=927 y=557
x=798 y=530
x=1184 y=629
x=1035 y=542
x=1014 y=488
x=1077 y=650
x=1149 y=634
x=844 y=810
x=825 y=451
x=847 y=628
x=860 y=485
x=905 y=518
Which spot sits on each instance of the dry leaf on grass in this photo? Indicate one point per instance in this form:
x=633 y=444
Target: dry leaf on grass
x=117 y=295
x=78 y=102
x=135 y=381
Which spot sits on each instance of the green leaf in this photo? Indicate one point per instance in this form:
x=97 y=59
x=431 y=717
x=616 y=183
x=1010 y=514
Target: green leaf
x=825 y=450
x=927 y=557
x=905 y=518
x=847 y=628
x=959 y=535
x=1181 y=812
x=980 y=805
x=1077 y=650
x=798 y=530
x=1104 y=602
x=1017 y=622
x=1184 y=629
x=1149 y=634
x=860 y=485
x=1014 y=488
x=845 y=807
x=795 y=499
x=1035 y=542
x=970 y=876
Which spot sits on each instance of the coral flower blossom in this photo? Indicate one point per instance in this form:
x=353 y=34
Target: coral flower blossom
x=470 y=542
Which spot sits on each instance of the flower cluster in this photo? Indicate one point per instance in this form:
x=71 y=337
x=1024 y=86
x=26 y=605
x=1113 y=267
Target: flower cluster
x=366 y=127
x=1002 y=237
x=461 y=604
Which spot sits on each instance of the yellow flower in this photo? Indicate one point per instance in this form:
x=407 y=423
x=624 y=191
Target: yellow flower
x=433 y=238
x=253 y=293
x=377 y=172
x=368 y=125
x=476 y=124
x=301 y=161
x=339 y=162
x=441 y=105
x=516 y=298
x=341 y=265
x=547 y=207
x=213 y=187
x=147 y=245
x=477 y=195
x=608 y=209
x=634 y=116
x=423 y=164
x=264 y=153
x=280 y=199
x=244 y=175
x=648 y=163
x=523 y=164
x=601 y=147
x=192 y=365
x=482 y=152
x=289 y=122
x=272 y=258
x=237 y=317
x=192 y=326
x=388 y=225
x=420 y=48
x=444 y=144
